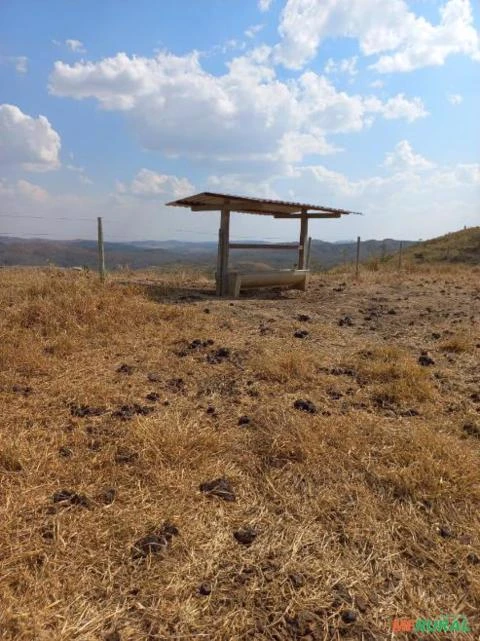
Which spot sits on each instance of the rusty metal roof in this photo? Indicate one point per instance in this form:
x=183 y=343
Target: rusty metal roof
x=209 y=201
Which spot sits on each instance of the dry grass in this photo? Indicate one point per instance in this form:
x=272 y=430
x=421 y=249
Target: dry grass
x=369 y=505
x=396 y=375
x=457 y=344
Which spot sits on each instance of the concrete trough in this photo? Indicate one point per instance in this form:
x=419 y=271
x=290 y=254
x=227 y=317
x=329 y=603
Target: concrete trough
x=290 y=278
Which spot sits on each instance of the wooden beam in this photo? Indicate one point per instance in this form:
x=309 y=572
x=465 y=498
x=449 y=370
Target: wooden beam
x=205 y=208
x=265 y=212
x=240 y=210
x=264 y=246
x=296 y=216
x=303 y=240
x=224 y=242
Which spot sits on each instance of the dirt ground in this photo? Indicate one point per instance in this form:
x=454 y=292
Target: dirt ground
x=286 y=465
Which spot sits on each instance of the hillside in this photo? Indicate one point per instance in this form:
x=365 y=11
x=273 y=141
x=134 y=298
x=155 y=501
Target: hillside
x=139 y=255
x=283 y=466
x=458 y=247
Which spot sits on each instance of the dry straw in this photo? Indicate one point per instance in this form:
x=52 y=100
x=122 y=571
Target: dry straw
x=362 y=510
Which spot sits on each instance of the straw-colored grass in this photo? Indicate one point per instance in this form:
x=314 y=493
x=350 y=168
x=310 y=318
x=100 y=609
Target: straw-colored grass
x=365 y=510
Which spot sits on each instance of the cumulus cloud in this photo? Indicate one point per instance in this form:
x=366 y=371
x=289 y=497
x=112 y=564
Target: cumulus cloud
x=20 y=63
x=151 y=183
x=75 y=45
x=264 y=5
x=80 y=171
x=455 y=98
x=242 y=184
x=28 y=142
x=346 y=65
x=415 y=198
x=128 y=216
x=413 y=41
x=399 y=107
x=404 y=158
x=252 y=31
x=22 y=190
x=175 y=106
x=427 y=45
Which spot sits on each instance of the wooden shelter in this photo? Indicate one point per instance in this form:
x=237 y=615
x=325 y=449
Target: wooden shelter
x=230 y=282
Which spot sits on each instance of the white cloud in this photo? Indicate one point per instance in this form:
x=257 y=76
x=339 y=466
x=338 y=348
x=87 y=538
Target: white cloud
x=377 y=84
x=151 y=183
x=295 y=145
x=22 y=190
x=80 y=171
x=403 y=158
x=85 y=180
x=455 y=98
x=468 y=173
x=346 y=65
x=400 y=107
x=28 y=142
x=264 y=5
x=242 y=184
x=428 y=45
x=127 y=216
x=175 y=106
x=414 y=41
x=19 y=62
x=75 y=45
x=252 y=31
x=415 y=199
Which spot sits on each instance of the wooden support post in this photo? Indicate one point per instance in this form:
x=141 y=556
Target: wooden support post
x=357 y=261
x=302 y=253
x=309 y=248
x=400 y=255
x=223 y=249
x=218 y=273
x=101 y=250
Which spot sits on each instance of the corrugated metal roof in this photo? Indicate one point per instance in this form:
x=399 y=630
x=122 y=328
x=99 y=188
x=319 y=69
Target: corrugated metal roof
x=248 y=205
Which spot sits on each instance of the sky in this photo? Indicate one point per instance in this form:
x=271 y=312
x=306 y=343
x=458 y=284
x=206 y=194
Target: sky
x=114 y=108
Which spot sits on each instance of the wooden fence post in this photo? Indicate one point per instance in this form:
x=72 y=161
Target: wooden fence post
x=400 y=255
x=357 y=261
x=101 y=250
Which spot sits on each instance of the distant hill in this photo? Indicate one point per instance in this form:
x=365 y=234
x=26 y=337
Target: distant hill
x=171 y=253
x=457 y=247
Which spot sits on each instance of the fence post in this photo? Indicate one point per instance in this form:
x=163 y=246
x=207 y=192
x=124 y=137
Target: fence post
x=101 y=250
x=357 y=261
x=384 y=251
x=400 y=255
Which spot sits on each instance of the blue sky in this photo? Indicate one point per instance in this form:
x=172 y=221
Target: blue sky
x=115 y=108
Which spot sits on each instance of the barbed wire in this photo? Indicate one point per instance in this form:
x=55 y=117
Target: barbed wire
x=69 y=218
x=115 y=237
